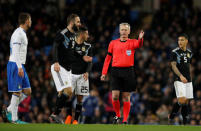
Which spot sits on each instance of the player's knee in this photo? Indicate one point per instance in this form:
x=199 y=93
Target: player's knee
x=115 y=97
x=182 y=100
x=79 y=99
x=126 y=99
x=68 y=91
x=27 y=92
x=16 y=93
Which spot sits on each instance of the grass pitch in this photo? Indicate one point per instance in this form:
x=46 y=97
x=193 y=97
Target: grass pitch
x=94 y=127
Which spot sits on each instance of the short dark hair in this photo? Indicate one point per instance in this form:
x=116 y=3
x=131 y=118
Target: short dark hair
x=184 y=35
x=82 y=29
x=23 y=17
x=71 y=17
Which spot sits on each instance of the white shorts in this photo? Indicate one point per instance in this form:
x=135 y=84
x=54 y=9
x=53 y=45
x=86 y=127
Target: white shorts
x=62 y=79
x=80 y=86
x=183 y=89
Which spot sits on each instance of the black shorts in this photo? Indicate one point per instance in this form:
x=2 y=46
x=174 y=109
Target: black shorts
x=123 y=79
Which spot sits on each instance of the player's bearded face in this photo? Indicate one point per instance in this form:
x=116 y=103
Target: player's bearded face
x=76 y=24
x=124 y=31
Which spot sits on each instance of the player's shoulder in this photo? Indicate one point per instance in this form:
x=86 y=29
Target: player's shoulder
x=60 y=34
x=64 y=31
x=176 y=49
x=18 y=34
x=19 y=31
x=189 y=50
x=87 y=44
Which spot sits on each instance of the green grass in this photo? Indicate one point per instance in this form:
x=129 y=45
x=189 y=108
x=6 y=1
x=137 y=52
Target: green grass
x=95 y=127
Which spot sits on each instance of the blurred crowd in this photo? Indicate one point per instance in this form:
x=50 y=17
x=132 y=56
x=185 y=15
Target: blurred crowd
x=152 y=101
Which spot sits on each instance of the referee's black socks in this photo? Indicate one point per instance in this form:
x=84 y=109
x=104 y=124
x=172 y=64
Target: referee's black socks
x=78 y=111
x=175 y=109
x=60 y=102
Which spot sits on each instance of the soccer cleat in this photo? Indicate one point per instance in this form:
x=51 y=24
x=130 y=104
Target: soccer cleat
x=170 y=121
x=68 y=119
x=55 y=119
x=19 y=122
x=75 y=122
x=116 y=120
x=7 y=116
x=125 y=123
x=186 y=120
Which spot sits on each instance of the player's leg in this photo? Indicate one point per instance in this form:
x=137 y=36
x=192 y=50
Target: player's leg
x=26 y=87
x=14 y=86
x=68 y=103
x=63 y=86
x=181 y=99
x=81 y=89
x=78 y=109
x=185 y=105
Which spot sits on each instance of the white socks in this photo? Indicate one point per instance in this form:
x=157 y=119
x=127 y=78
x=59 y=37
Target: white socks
x=13 y=107
x=22 y=97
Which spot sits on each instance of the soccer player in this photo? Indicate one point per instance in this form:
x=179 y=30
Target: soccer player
x=18 y=81
x=80 y=68
x=180 y=62
x=121 y=51
x=60 y=69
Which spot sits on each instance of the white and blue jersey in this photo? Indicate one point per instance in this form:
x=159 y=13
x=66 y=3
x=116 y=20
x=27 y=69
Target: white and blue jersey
x=17 y=59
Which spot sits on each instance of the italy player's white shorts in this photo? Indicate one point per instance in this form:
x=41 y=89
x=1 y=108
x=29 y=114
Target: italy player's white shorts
x=183 y=89
x=62 y=79
x=79 y=85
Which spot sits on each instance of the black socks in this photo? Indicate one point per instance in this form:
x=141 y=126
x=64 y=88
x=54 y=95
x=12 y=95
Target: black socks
x=175 y=109
x=60 y=102
x=78 y=111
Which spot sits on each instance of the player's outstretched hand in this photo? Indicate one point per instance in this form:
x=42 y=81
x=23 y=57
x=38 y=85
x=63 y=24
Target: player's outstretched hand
x=87 y=58
x=141 y=35
x=102 y=78
x=86 y=75
x=56 y=67
x=20 y=72
x=183 y=79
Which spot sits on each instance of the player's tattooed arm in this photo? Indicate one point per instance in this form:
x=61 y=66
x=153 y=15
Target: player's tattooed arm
x=177 y=72
x=175 y=69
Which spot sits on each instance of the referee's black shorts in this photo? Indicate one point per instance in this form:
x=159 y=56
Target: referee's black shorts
x=123 y=79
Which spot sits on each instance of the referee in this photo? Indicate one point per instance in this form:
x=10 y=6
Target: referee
x=122 y=51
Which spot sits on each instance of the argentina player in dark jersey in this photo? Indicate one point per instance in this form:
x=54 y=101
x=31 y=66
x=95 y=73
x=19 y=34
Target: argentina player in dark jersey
x=180 y=62
x=80 y=68
x=60 y=69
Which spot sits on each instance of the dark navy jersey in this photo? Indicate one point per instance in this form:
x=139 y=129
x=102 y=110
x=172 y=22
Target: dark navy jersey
x=183 y=60
x=63 y=48
x=79 y=66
